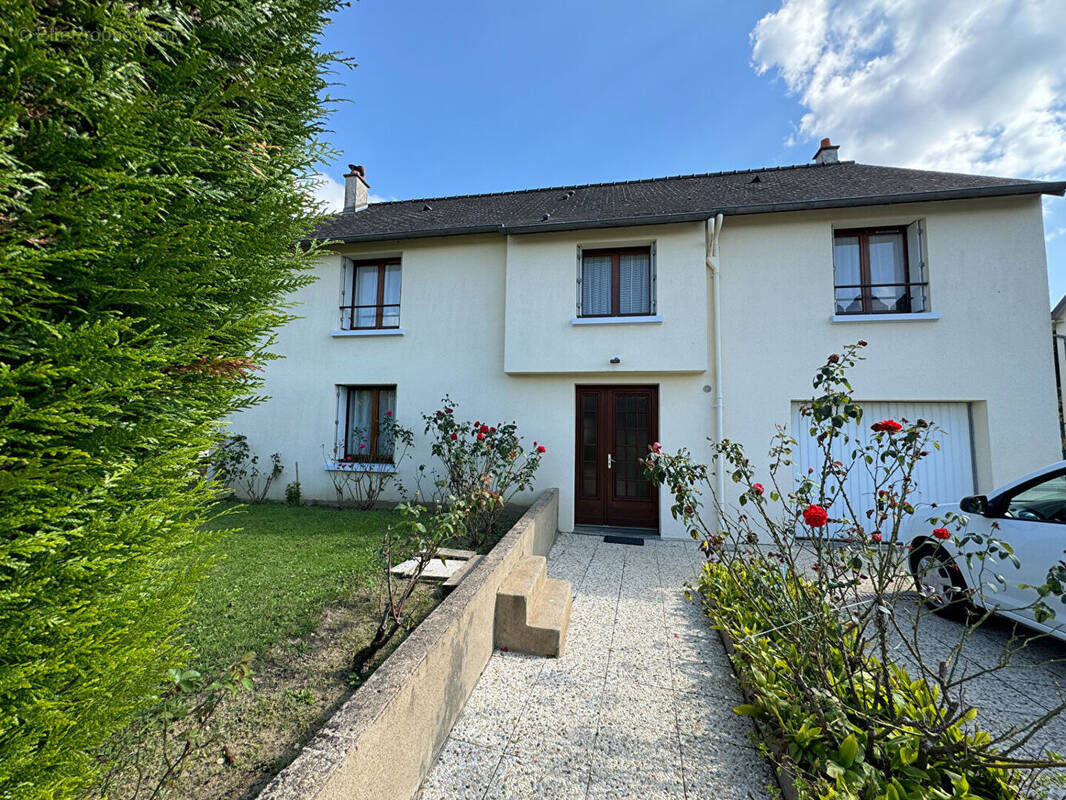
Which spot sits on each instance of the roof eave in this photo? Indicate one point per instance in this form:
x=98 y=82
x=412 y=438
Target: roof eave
x=1012 y=190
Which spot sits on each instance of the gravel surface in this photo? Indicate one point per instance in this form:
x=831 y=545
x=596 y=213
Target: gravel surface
x=639 y=706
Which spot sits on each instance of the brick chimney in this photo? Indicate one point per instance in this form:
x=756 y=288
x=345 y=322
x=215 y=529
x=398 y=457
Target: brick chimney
x=356 y=189
x=827 y=153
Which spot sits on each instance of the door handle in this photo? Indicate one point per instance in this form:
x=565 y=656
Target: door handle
x=609 y=461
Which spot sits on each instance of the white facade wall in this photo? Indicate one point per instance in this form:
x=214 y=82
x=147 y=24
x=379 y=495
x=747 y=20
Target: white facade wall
x=987 y=278
x=487 y=319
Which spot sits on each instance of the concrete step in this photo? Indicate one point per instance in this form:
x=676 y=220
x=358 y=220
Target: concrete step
x=551 y=617
x=532 y=610
x=519 y=590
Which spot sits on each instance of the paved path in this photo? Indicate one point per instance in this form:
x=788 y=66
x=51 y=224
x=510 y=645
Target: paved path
x=639 y=706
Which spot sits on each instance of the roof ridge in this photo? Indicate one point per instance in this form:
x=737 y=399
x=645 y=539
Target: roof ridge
x=781 y=168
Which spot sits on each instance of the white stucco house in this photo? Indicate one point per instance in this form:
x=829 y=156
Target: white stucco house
x=604 y=317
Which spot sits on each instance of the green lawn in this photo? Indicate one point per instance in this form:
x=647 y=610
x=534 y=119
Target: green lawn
x=274 y=577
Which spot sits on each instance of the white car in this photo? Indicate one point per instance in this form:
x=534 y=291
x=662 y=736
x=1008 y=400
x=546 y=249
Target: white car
x=1029 y=515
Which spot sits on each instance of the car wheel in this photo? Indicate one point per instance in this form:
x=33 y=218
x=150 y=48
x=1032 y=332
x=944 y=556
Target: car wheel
x=939 y=582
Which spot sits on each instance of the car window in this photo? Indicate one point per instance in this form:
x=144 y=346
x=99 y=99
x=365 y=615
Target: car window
x=1045 y=502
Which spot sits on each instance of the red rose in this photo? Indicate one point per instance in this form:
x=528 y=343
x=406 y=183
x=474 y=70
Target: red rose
x=455 y=436
x=757 y=488
x=447 y=411
x=476 y=423
x=815 y=516
x=480 y=436
x=492 y=430
x=440 y=414
x=484 y=428
x=875 y=536
x=388 y=413
x=941 y=533
x=542 y=449
x=886 y=426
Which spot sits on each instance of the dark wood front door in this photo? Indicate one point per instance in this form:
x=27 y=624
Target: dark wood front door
x=615 y=426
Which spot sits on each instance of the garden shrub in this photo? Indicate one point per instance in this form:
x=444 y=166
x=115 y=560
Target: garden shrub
x=154 y=162
x=235 y=465
x=483 y=465
x=826 y=630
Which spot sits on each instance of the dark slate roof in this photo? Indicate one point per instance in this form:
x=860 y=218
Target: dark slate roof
x=675 y=199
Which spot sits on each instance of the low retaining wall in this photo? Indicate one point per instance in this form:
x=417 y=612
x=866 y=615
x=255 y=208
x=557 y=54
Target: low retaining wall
x=383 y=741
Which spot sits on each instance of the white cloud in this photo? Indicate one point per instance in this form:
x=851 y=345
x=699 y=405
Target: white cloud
x=1055 y=234
x=960 y=85
x=327 y=192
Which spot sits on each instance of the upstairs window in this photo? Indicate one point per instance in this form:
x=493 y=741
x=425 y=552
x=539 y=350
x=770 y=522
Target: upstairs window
x=365 y=409
x=616 y=283
x=879 y=270
x=371 y=295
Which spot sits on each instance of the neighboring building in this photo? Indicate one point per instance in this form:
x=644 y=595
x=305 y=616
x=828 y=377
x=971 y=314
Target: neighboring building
x=1058 y=345
x=588 y=312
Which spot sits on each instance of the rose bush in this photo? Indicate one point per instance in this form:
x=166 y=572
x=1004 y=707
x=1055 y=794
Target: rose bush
x=356 y=478
x=483 y=465
x=811 y=585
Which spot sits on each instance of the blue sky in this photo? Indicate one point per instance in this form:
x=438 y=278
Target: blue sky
x=466 y=97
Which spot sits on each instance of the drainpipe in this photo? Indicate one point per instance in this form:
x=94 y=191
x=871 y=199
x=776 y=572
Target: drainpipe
x=713 y=231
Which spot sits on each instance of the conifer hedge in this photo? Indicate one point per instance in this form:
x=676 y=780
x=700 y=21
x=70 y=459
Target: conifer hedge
x=152 y=159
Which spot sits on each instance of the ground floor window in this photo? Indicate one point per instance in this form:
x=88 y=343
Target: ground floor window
x=365 y=409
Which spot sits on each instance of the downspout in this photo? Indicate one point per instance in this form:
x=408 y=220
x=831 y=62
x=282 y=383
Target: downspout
x=713 y=230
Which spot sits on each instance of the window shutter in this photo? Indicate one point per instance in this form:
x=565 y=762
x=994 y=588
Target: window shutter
x=916 y=264
x=579 y=263
x=338 y=422
x=346 y=282
x=653 y=269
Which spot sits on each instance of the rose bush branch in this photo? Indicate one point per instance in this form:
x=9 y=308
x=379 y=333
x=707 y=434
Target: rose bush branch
x=360 y=480
x=417 y=536
x=812 y=585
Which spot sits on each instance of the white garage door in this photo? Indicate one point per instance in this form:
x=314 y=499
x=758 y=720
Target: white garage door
x=944 y=476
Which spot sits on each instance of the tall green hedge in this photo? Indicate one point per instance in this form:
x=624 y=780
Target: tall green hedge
x=151 y=166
